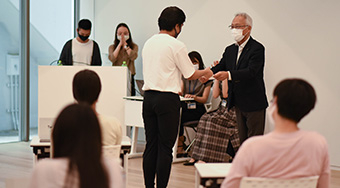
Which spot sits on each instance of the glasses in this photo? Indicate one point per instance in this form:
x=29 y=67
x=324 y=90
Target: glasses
x=237 y=26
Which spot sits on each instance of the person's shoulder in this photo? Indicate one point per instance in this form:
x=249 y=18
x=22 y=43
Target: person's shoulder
x=231 y=46
x=69 y=42
x=314 y=137
x=108 y=120
x=255 y=140
x=111 y=46
x=94 y=42
x=134 y=45
x=255 y=43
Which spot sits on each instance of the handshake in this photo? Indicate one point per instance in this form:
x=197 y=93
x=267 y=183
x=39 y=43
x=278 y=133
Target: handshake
x=207 y=73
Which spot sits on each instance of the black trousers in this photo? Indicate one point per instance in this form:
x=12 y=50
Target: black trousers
x=250 y=123
x=161 y=112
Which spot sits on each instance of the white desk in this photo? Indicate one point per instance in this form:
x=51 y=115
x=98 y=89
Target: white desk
x=210 y=174
x=133 y=118
x=42 y=149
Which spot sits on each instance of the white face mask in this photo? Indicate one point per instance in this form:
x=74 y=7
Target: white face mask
x=196 y=66
x=119 y=37
x=270 y=111
x=237 y=34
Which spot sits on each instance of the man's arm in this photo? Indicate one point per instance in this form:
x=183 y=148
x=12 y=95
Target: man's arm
x=65 y=54
x=96 y=58
x=207 y=73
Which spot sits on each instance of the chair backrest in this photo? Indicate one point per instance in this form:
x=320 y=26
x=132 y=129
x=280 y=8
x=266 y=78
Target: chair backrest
x=112 y=151
x=304 y=182
x=211 y=103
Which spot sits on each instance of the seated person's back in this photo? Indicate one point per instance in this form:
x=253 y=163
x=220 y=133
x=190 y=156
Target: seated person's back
x=86 y=89
x=110 y=128
x=287 y=152
x=77 y=159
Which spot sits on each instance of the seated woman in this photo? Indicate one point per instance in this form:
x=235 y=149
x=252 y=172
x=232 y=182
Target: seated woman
x=287 y=152
x=217 y=138
x=193 y=110
x=86 y=87
x=77 y=160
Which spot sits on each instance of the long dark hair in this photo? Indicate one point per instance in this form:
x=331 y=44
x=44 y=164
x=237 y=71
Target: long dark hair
x=76 y=136
x=195 y=55
x=129 y=41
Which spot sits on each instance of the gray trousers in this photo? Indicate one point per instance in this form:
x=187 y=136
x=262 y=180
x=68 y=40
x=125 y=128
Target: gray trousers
x=250 y=123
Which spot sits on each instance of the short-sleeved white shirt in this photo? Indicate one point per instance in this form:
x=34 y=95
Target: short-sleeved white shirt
x=165 y=60
x=82 y=52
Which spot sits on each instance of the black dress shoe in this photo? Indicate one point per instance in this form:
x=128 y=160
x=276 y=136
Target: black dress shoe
x=190 y=163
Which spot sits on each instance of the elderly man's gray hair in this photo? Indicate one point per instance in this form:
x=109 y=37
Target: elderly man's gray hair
x=247 y=17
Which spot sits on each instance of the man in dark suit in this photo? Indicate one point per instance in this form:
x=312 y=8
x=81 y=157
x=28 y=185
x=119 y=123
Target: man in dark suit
x=242 y=64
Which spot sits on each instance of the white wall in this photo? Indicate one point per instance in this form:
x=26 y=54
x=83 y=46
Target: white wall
x=300 y=39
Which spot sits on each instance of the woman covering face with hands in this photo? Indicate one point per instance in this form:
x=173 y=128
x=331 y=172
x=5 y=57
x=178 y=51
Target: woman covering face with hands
x=123 y=52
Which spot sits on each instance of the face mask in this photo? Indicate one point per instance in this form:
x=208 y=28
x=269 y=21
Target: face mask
x=237 y=34
x=196 y=66
x=83 y=38
x=270 y=111
x=119 y=37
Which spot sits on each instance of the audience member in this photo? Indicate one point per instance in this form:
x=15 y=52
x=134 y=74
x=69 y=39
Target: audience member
x=81 y=50
x=77 y=160
x=192 y=110
x=217 y=138
x=287 y=152
x=86 y=89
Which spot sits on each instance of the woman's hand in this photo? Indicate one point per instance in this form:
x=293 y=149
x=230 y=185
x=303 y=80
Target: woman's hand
x=189 y=96
x=122 y=41
x=128 y=50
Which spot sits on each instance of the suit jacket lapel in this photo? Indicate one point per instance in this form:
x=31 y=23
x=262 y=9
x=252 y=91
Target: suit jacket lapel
x=235 y=51
x=244 y=51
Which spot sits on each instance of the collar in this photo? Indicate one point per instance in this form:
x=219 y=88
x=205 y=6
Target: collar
x=243 y=44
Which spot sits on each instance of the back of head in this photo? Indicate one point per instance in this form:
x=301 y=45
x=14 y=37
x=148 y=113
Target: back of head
x=295 y=98
x=170 y=17
x=76 y=136
x=195 y=55
x=84 y=24
x=86 y=86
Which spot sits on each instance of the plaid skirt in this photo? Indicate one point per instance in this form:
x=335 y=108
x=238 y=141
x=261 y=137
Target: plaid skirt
x=214 y=131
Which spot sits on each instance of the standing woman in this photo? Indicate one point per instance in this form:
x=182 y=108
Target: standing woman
x=125 y=50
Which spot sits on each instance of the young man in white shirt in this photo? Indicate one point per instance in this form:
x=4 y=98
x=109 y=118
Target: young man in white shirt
x=165 y=60
x=81 y=50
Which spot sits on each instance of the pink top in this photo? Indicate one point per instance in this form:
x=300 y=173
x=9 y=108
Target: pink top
x=51 y=173
x=281 y=155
